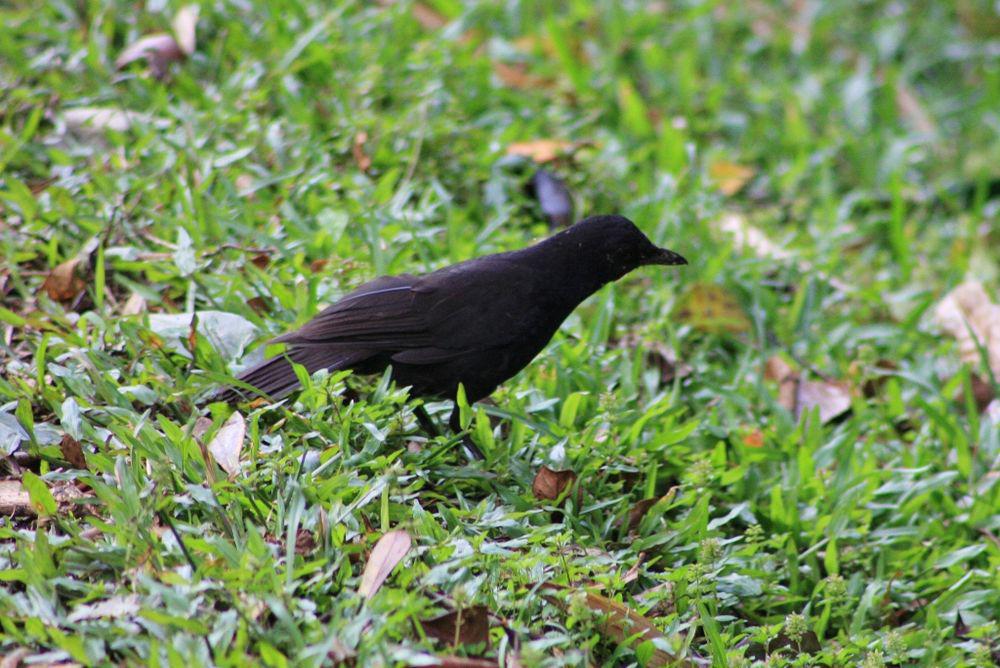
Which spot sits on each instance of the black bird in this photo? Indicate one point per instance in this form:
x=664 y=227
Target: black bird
x=476 y=323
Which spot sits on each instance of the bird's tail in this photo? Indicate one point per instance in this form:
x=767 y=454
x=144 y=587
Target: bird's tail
x=275 y=378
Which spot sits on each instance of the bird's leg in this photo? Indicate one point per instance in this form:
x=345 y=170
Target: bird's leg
x=455 y=423
x=426 y=423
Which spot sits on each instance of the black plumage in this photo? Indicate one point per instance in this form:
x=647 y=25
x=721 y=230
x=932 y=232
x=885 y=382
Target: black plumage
x=476 y=323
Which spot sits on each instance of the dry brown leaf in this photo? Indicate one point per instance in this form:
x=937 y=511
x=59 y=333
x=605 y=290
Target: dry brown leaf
x=14 y=499
x=72 y=452
x=184 y=24
x=550 y=484
x=966 y=308
x=831 y=398
x=362 y=160
x=64 y=282
x=158 y=50
x=460 y=662
x=912 y=110
x=632 y=574
x=428 y=17
x=467 y=626
x=93 y=121
x=746 y=237
x=711 y=308
x=387 y=553
x=134 y=305
x=541 y=150
x=621 y=624
x=639 y=510
x=517 y=76
x=798 y=395
x=730 y=176
x=227 y=443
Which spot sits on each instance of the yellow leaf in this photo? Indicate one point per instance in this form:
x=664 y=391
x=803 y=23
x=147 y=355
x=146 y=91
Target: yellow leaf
x=712 y=308
x=729 y=176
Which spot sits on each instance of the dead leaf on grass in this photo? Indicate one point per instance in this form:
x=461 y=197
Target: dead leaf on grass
x=620 y=623
x=361 y=159
x=227 y=443
x=467 y=626
x=798 y=395
x=184 y=25
x=541 y=150
x=134 y=305
x=713 y=309
x=518 y=76
x=387 y=553
x=968 y=314
x=549 y=484
x=730 y=177
x=428 y=17
x=14 y=499
x=158 y=50
x=65 y=282
x=72 y=452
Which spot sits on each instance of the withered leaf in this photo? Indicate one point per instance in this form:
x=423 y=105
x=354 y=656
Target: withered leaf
x=387 y=553
x=72 y=452
x=968 y=314
x=730 y=176
x=460 y=627
x=713 y=309
x=540 y=150
x=517 y=76
x=158 y=50
x=362 y=160
x=184 y=25
x=831 y=398
x=64 y=282
x=227 y=443
x=14 y=499
x=621 y=624
x=549 y=483
x=134 y=305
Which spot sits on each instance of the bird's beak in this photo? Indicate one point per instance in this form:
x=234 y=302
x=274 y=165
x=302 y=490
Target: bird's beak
x=664 y=256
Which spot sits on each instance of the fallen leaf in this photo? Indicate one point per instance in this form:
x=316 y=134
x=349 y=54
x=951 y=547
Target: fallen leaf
x=64 y=282
x=621 y=624
x=730 y=176
x=88 y=122
x=713 y=309
x=158 y=50
x=517 y=76
x=541 y=150
x=746 y=237
x=912 y=110
x=228 y=332
x=387 y=553
x=549 y=484
x=362 y=160
x=457 y=662
x=640 y=508
x=553 y=198
x=428 y=17
x=72 y=452
x=798 y=395
x=467 y=626
x=134 y=305
x=227 y=443
x=259 y=304
x=14 y=499
x=831 y=398
x=184 y=25
x=968 y=314
x=632 y=574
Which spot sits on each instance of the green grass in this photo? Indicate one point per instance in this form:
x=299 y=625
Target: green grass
x=873 y=135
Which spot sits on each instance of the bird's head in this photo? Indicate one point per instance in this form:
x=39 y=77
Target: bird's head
x=615 y=246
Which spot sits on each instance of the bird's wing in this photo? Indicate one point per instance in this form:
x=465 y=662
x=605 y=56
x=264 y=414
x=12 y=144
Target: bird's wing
x=384 y=314
x=473 y=306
